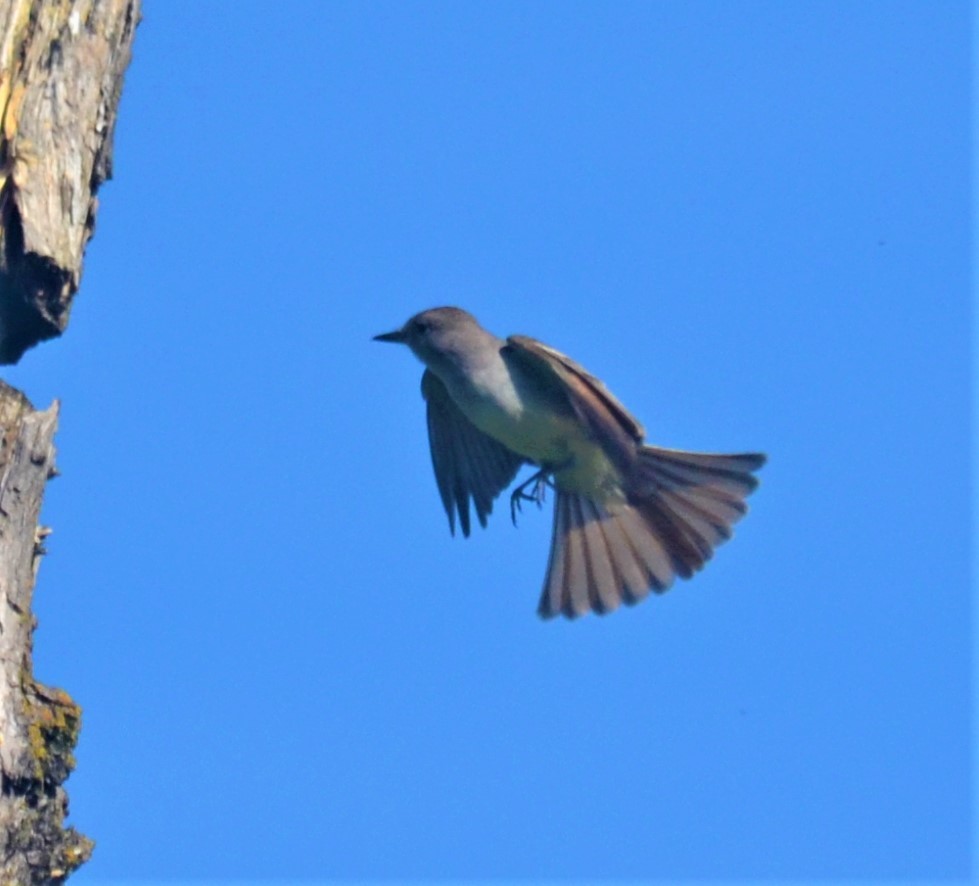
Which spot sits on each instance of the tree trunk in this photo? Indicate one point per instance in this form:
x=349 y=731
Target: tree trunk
x=61 y=70
x=38 y=725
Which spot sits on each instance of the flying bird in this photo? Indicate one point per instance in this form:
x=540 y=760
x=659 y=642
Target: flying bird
x=628 y=518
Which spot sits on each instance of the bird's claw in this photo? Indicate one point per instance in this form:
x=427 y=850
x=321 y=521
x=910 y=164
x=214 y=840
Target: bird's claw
x=540 y=481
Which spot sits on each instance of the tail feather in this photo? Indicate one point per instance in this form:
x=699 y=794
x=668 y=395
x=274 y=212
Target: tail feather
x=604 y=578
x=555 y=584
x=686 y=549
x=633 y=576
x=707 y=527
x=649 y=551
x=579 y=585
x=680 y=507
x=729 y=476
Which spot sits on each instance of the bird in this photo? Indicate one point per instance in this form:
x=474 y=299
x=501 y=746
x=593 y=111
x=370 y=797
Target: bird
x=628 y=517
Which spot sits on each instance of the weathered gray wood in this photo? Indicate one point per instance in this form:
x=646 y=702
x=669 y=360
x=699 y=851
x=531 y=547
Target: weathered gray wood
x=38 y=726
x=61 y=71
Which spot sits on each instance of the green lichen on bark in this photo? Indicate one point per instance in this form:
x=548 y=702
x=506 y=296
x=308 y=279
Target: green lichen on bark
x=53 y=722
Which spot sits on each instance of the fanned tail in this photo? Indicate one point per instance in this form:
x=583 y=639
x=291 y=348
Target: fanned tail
x=680 y=506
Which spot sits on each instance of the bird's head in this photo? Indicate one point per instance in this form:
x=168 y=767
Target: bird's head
x=435 y=335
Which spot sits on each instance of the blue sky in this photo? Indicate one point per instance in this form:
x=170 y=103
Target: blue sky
x=750 y=218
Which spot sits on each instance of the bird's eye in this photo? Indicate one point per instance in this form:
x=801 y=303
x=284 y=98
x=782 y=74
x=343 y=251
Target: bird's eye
x=421 y=326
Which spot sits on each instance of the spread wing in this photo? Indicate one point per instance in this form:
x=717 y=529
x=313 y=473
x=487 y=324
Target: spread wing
x=589 y=399
x=468 y=463
x=588 y=394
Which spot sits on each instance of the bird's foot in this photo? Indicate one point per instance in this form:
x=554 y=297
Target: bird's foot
x=540 y=481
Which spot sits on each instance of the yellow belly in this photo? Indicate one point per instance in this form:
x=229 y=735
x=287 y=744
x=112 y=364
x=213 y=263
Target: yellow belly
x=555 y=441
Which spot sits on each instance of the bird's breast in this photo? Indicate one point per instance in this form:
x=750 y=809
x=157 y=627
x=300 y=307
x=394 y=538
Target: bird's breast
x=525 y=419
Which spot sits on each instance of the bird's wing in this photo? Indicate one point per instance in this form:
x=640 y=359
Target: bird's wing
x=592 y=402
x=468 y=463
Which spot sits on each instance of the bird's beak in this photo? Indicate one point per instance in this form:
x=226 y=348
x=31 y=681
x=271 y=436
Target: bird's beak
x=397 y=336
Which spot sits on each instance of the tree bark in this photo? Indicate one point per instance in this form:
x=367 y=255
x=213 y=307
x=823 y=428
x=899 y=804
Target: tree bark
x=38 y=725
x=61 y=71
